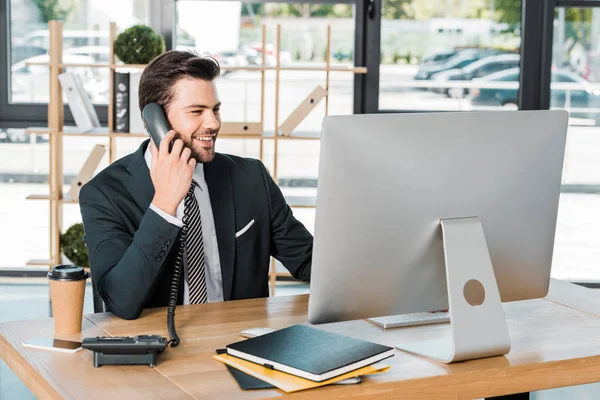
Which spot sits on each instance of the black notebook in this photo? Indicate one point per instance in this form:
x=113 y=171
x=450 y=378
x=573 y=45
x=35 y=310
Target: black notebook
x=309 y=352
x=248 y=382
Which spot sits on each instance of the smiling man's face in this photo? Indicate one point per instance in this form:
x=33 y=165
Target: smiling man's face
x=194 y=113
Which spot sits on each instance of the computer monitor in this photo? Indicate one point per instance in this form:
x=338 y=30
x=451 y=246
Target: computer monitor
x=413 y=210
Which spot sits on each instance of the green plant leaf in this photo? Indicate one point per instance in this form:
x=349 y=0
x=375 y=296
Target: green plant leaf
x=139 y=44
x=73 y=245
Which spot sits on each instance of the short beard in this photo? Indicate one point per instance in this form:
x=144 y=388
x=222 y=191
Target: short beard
x=201 y=157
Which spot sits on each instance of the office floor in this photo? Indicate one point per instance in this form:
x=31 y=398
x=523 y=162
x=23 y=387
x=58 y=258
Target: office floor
x=27 y=298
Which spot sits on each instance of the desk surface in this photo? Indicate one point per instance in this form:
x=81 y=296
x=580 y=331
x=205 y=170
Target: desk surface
x=555 y=343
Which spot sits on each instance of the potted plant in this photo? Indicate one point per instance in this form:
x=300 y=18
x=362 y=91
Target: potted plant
x=138 y=44
x=73 y=246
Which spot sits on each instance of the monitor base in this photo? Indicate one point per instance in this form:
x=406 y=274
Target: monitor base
x=477 y=318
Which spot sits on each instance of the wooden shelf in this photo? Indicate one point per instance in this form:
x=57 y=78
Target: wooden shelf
x=289 y=199
x=258 y=68
x=240 y=136
x=229 y=130
x=65 y=200
x=40 y=130
x=40 y=262
x=88 y=65
x=297 y=137
x=138 y=66
x=84 y=134
x=38 y=197
x=30 y=131
x=126 y=134
x=356 y=70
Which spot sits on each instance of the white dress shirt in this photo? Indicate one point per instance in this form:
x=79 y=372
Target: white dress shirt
x=212 y=262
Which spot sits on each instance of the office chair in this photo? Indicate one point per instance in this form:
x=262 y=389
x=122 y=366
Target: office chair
x=99 y=305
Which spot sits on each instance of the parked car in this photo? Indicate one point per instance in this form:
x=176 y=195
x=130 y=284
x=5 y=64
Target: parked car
x=590 y=67
x=231 y=59
x=19 y=53
x=438 y=57
x=78 y=38
x=508 y=98
x=254 y=54
x=342 y=55
x=461 y=60
x=30 y=83
x=100 y=54
x=477 y=69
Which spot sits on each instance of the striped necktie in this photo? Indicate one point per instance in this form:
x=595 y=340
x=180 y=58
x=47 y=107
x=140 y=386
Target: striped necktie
x=194 y=248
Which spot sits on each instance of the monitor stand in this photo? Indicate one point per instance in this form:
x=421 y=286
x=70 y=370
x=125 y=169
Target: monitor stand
x=477 y=318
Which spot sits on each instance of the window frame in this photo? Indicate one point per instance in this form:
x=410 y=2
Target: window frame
x=22 y=115
x=361 y=38
x=536 y=48
x=161 y=17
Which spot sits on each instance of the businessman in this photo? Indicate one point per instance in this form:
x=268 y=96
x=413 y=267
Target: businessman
x=236 y=216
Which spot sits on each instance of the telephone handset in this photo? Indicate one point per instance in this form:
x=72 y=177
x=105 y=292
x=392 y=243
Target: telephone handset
x=156 y=122
x=157 y=126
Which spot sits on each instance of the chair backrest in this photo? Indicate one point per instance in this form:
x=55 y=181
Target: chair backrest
x=99 y=305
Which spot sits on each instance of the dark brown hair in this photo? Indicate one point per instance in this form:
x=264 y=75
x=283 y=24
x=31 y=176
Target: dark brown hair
x=159 y=76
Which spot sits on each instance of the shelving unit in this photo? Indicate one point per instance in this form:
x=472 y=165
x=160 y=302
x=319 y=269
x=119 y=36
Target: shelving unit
x=229 y=130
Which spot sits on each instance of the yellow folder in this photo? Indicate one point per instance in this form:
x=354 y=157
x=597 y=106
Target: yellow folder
x=291 y=383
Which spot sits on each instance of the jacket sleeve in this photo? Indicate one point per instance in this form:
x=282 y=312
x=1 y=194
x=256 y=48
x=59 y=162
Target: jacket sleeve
x=124 y=267
x=291 y=243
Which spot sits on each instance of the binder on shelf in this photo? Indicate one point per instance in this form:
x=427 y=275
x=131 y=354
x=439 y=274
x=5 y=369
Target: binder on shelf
x=80 y=104
x=121 y=101
x=136 y=125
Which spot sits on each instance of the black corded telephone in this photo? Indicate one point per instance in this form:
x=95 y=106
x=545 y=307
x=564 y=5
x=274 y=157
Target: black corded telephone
x=157 y=125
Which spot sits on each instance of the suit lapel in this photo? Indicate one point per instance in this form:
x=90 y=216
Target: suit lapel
x=218 y=180
x=140 y=184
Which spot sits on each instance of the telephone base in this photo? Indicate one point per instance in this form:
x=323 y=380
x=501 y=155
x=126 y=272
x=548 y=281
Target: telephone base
x=101 y=359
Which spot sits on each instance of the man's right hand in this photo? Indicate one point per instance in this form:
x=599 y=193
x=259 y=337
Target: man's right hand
x=171 y=173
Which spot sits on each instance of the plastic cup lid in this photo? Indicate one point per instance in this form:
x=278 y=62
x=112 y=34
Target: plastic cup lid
x=67 y=273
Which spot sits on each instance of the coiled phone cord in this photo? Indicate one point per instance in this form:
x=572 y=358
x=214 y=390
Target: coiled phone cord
x=175 y=288
x=177 y=274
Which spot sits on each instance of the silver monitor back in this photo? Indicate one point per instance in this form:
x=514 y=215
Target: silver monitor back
x=386 y=181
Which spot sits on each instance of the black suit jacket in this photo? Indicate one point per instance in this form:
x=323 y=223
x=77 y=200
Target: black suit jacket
x=132 y=249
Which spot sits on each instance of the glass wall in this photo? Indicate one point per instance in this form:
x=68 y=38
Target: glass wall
x=439 y=55
x=85 y=33
x=24 y=159
x=303 y=44
x=234 y=38
x=575 y=87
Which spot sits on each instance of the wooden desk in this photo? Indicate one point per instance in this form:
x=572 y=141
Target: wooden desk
x=555 y=343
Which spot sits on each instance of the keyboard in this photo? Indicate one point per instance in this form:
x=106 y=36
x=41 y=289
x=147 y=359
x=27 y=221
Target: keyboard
x=397 y=321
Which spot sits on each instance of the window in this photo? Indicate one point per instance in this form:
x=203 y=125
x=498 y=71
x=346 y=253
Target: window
x=85 y=40
x=25 y=158
x=576 y=87
x=303 y=44
x=426 y=48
